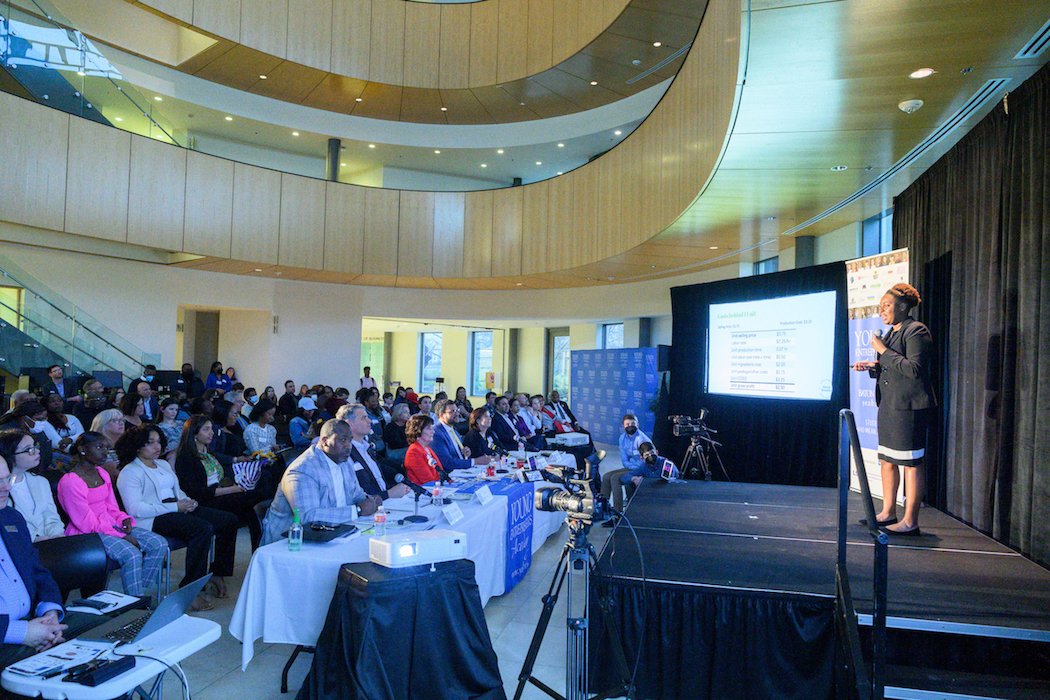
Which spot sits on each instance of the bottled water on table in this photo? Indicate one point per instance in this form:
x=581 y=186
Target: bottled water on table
x=295 y=533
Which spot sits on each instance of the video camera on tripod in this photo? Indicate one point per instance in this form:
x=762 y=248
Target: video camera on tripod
x=702 y=445
x=577 y=501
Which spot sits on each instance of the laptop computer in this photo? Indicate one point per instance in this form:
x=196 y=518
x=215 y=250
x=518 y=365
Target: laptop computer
x=134 y=625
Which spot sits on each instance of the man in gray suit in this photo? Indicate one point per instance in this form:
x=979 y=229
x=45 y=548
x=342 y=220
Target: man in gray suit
x=320 y=484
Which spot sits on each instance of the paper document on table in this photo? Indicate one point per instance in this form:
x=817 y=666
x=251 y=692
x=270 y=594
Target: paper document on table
x=405 y=504
x=60 y=658
x=102 y=603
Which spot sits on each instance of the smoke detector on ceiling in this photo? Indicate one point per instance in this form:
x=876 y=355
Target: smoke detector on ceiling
x=910 y=106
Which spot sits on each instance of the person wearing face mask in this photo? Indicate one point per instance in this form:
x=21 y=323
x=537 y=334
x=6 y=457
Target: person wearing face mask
x=652 y=468
x=188 y=382
x=630 y=442
x=31 y=416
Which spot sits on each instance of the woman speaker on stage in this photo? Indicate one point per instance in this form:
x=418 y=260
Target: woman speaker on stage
x=904 y=397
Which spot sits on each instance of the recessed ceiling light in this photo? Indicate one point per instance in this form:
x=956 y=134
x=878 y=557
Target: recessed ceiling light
x=539 y=162
x=342 y=165
x=371 y=145
x=617 y=133
x=484 y=165
x=561 y=145
x=839 y=168
x=712 y=247
x=359 y=99
x=258 y=269
x=444 y=109
x=437 y=151
x=560 y=172
x=81 y=73
x=295 y=133
x=657 y=44
x=636 y=62
x=521 y=104
x=158 y=98
x=518 y=284
x=594 y=82
x=262 y=77
x=771 y=218
x=499 y=151
x=229 y=119
x=119 y=119
x=921 y=73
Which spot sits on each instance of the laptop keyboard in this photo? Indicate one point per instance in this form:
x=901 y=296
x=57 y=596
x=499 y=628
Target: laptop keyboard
x=128 y=632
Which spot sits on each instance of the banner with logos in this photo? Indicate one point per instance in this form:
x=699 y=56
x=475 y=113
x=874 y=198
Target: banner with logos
x=519 y=529
x=867 y=280
x=606 y=384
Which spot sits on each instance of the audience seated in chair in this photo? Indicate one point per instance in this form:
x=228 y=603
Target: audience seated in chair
x=110 y=423
x=320 y=485
x=204 y=480
x=30 y=494
x=67 y=427
x=448 y=445
x=366 y=468
x=87 y=495
x=479 y=439
x=151 y=494
x=29 y=588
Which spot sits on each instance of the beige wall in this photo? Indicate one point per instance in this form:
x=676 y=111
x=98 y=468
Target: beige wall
x=244 y=344
x=532 y=359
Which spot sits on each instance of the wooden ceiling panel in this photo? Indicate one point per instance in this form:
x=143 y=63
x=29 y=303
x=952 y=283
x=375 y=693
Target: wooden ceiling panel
x=240 y=67
x=481 y=46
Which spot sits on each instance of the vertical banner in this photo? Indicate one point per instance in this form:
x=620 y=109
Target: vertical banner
x=519 y=531
x=606 y=384
x=867 y=279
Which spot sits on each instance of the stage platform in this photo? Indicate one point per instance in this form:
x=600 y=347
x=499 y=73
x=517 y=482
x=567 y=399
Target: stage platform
x=779 y=542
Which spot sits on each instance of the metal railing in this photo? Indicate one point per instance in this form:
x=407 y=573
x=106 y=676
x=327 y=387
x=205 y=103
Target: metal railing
x=67 y=330
x=868 y=679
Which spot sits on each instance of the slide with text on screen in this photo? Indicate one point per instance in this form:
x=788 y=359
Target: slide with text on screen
x=778 y=348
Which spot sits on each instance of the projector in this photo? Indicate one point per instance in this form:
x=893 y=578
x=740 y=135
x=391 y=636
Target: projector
x=412 y=548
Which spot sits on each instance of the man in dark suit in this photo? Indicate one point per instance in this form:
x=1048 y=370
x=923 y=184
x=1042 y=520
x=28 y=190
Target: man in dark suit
x=366 y=469
x=25 y=587
x=150 y=404
x=57 y=384
x=188 y=382
x=447 y=444
x=503 y=428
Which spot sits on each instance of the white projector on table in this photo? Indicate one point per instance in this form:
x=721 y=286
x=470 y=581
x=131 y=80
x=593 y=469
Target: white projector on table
x=412 y=548
x=569 y=439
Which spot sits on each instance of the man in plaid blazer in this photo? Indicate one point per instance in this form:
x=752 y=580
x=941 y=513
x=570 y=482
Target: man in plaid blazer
x=321 y=484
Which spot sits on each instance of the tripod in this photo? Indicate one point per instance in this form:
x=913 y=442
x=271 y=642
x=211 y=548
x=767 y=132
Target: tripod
x=698 y=455
x=579 y=555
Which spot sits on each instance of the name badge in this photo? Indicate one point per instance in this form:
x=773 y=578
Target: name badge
x=453 y=513
x=484 y=495
x=11 y=528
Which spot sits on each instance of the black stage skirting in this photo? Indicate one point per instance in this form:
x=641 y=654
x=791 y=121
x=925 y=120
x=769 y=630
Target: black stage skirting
x=741 y=585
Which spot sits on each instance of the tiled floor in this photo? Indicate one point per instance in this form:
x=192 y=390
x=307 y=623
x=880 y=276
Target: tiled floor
x=214 y=673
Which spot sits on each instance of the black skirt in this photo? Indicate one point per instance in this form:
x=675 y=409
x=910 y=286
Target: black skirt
x=902 y=436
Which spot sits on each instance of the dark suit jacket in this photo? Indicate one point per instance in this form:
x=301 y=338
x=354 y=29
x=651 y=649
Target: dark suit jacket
x=446 y=451
x=503 y=433
x=903 y=372
x=193 y=388
x=38 y=581
x=479 y=446
x=568 y=411
x=364 y=475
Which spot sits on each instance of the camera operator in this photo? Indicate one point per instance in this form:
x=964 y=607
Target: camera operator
x=652 y=468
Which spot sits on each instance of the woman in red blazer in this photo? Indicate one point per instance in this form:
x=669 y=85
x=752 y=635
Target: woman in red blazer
x=422 y=465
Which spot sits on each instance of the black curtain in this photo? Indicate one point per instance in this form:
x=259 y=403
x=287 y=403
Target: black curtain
x=975 y=224
x=771 y=441
x=699 y=643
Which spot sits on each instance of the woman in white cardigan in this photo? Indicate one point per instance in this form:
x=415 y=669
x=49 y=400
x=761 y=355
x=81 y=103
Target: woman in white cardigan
x=31 y=494
x=151 y=494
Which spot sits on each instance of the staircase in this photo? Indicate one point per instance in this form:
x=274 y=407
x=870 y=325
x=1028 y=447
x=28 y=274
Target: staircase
x=39 y=328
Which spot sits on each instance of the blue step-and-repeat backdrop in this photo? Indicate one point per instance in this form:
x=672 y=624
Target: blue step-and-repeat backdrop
x=606 y=384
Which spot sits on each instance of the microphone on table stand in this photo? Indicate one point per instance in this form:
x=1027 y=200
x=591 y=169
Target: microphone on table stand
x=418 y=491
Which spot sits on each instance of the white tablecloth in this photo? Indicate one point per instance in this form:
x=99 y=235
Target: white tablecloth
x=285 y=596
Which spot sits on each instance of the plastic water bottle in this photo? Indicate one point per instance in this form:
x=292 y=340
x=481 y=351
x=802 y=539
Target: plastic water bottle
x=295 y=533
x=380 y=521
x=435 y=496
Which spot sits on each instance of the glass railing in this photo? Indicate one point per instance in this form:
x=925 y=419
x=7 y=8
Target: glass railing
x=43 y=327
x=61 y=67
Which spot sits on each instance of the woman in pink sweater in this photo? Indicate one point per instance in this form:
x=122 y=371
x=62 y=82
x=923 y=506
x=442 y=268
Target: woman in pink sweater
x=86 y=494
